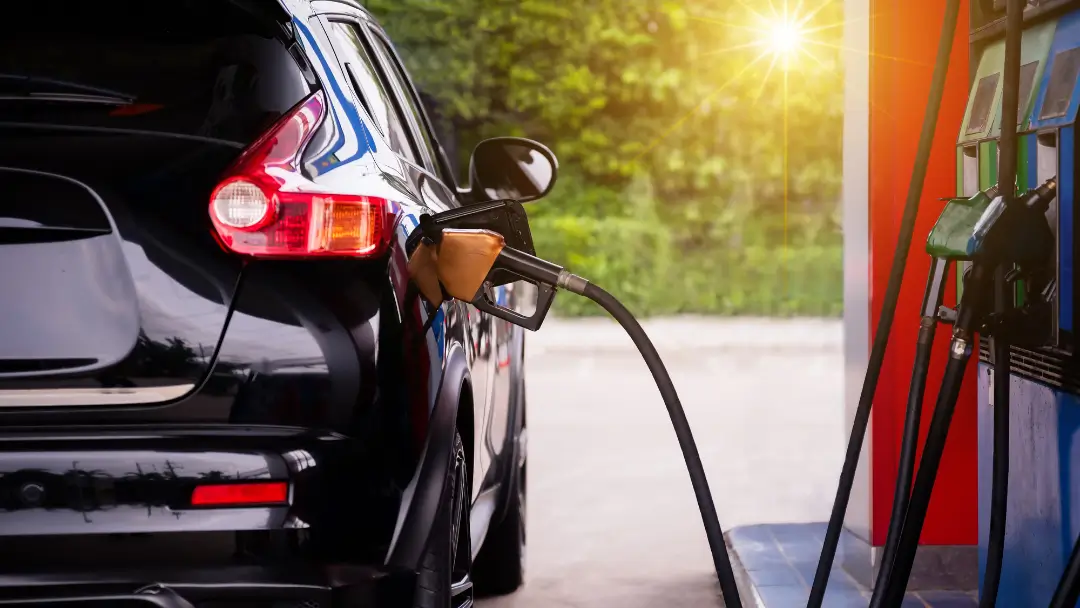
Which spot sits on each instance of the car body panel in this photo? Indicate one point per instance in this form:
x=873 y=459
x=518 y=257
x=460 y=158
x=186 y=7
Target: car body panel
x=332 y=375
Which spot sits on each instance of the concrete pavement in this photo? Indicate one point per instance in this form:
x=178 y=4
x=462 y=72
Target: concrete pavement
x=612 y=516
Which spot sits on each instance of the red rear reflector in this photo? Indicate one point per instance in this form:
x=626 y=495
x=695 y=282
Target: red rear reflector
x=239 y=494
x=265 y=207
x=136 y=109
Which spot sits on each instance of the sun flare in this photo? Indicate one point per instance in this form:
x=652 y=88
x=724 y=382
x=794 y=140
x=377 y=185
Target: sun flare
x=780 y=40
x=784 y=37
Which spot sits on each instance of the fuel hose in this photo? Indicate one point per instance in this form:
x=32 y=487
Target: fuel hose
x=542 y=271
x=713 y=531
x=935 y=289
x=979 y=282
x=888 y=309
x=1067 y=592
x=1003 y=299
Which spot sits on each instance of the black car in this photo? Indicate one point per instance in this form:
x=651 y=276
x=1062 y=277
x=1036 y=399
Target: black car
x=218 y=386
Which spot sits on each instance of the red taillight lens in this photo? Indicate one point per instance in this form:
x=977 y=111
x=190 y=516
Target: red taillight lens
x=240 y=494
x=265 y=207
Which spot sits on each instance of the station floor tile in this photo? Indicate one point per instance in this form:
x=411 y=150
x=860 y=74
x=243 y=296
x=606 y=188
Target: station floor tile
x=780 y=560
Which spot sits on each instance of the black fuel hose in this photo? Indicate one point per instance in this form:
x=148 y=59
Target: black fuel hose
x=979 y=283
x=896 y=584
x=1068 y=587
x=999 y=484
x=888 y=309
x=713 y=531
x=935 y=291
x=1003 y=300
x=535 y=269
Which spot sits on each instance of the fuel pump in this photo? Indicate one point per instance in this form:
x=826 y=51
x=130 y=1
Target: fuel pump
x=1005 y=234
x=1009 y=251
x=1003 y=239
x=1005 y=251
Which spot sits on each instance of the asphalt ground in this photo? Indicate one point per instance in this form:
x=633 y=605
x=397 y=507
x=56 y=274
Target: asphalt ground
x=612 y=520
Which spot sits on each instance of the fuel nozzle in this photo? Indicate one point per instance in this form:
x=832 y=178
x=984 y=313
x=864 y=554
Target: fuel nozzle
x=1016 y=231
x=959 y=230
x=546 y=276
x=1022 y=242
x=1040 y=198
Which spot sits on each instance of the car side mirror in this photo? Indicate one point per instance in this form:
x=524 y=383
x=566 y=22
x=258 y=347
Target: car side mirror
x=511 y=168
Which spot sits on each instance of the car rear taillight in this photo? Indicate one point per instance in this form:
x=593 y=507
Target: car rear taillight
x=240 y=494
x=266 y=207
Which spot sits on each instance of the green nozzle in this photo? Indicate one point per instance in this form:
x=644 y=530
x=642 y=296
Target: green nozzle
x=953 y=236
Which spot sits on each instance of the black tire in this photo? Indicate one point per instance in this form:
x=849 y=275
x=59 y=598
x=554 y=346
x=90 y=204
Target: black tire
x=500 y=566
x=444 y=579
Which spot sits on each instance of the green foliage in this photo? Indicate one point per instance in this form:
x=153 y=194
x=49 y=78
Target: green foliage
x=639 y=261
x=690 y=160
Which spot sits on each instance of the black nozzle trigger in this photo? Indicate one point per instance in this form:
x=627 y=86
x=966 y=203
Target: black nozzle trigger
x=544 y=297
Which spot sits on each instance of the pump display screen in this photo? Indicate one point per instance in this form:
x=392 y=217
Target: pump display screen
x=1060 y=87
x=984 y=99
x=1027 y=80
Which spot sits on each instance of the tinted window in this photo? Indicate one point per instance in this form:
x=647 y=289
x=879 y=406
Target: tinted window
x=984 y=99
x=401 y=81
x=199 y=67
x=1062 y=81
x=1027 y=80
x=373 y=94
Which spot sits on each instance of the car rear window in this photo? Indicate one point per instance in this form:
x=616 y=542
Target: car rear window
x=211 y=68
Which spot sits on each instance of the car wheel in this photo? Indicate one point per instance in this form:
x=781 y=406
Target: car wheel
x=500 y=566
x=444 y=579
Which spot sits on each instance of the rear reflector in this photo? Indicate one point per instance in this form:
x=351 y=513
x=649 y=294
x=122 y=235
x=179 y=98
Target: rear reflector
x=266 y=207
x=240 y=494
x=136 y=109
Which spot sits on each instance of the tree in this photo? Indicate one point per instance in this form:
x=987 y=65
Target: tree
x=670 y=112
x=621 y=87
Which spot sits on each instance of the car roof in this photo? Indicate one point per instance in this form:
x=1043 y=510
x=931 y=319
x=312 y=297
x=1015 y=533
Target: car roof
x=305 y=6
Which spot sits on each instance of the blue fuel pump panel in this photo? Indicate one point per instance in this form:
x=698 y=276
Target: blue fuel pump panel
x=1044 y=491
x=1054 y=150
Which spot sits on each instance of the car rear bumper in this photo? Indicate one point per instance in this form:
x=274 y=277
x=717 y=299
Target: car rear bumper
x=115 y=480
x=231 y=587
x=106 y=516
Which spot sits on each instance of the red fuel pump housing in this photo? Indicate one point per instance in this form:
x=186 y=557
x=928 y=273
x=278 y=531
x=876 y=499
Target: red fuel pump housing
x=902 y=44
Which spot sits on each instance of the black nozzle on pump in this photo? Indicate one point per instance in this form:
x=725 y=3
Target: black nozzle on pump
x=1040 y=198
x=1017 y=232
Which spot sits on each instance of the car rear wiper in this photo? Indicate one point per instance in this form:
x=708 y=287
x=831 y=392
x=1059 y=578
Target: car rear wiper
x=22 y=87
